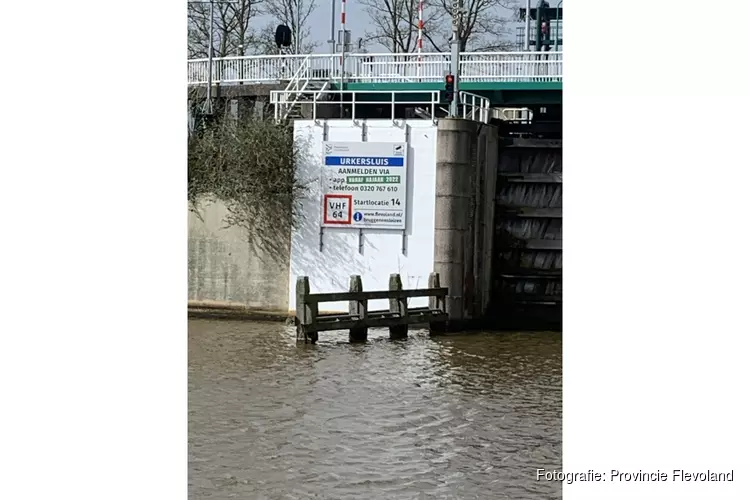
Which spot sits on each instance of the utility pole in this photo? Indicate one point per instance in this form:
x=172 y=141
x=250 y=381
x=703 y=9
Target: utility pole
x=527 y=31
x=297 y=29
x=455 y=54
x=343 y=42
x=208 y=107
x=345 y=46
x=332 y=41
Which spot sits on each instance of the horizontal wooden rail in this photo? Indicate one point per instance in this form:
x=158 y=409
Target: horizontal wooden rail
x=397 y=318
x=383 y=294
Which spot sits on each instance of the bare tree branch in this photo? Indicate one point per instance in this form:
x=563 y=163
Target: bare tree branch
x=485 y=24
x=233 y=33
x=393 y=22
x=286 y=12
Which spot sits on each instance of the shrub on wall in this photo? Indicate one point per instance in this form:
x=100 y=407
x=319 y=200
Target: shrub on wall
x=249 y=166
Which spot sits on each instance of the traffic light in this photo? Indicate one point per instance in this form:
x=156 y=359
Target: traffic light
x=449 y=87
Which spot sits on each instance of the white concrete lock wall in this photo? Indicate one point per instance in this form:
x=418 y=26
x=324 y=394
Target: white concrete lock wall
x=329 y=269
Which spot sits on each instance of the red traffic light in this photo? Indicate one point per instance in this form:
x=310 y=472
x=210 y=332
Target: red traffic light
x=448 y=78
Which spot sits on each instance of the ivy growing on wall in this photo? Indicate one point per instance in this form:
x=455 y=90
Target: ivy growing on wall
x=249 y=166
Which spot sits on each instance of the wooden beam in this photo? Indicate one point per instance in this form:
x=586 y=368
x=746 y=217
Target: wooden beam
x=411 y=319
x=359 y=318
x=357 y=310
x=381 y=294
x=398 y=308
x=307 y=312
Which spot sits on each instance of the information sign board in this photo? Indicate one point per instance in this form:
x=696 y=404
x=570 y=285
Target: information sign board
x=364 y=184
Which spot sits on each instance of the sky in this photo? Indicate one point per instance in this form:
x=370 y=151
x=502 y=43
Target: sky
x=357 y=21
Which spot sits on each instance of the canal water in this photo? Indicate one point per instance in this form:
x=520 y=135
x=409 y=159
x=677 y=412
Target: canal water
x=461 y=417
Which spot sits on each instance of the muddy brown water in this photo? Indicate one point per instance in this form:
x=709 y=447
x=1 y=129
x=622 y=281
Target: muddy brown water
x=468 y=416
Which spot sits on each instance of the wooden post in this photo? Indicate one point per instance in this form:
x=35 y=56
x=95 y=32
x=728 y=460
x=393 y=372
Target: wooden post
x=306 y=313
x=398 y=307
x=436 y=304
x=358 y=309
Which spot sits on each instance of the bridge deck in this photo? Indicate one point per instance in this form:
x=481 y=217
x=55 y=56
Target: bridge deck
x=479 y=70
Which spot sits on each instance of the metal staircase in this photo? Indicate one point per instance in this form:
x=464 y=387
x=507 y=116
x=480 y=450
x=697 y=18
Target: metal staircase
x=301 y=90
x=315 y=92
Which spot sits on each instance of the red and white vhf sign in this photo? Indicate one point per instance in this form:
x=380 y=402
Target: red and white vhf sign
x=337 y=209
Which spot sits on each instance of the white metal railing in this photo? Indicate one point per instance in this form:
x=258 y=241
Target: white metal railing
x=521 y=115
x=250 y=69
x=475 y=107
x=512 y=67
x=296 y=86
x=382 y=68
x=279 y=98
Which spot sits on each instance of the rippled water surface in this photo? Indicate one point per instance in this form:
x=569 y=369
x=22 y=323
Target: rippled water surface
x=468 y=416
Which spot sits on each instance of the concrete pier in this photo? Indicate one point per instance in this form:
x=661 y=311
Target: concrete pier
x=453 y=194
x=464 y=216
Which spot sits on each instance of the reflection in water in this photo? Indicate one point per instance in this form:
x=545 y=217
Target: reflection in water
x=470 y=416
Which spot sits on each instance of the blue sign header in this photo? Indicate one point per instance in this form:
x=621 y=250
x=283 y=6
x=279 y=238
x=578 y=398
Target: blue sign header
x=365 y=161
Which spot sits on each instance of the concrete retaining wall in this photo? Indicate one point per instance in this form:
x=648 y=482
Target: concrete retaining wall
x=226 y=268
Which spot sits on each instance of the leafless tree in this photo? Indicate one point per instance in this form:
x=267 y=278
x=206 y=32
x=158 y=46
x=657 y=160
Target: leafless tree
x=233 y=33
x=293 y=13
x=395 y=24
x=485 y=24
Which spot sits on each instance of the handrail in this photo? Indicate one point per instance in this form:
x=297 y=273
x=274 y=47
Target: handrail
x=529 y=54
x=303 y=69
x=384 y=67
x=317 y=97
x=302 y=74
x=475 y=107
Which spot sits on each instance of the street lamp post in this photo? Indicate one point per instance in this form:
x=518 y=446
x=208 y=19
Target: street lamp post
x=455 y=54
x=332 y=41
x=297 y=29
